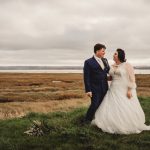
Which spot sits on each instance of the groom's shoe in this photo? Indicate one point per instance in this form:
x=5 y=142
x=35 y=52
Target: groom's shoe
x=85 y=121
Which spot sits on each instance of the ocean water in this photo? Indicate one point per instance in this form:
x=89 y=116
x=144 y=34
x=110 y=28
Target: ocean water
x=137 y=71
x=59 y=69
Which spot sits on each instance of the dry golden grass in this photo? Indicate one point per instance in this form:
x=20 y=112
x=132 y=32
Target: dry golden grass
x=22 y=93
x=19 y=109
x=143 y=85
x=39 y=87
x=43 y=92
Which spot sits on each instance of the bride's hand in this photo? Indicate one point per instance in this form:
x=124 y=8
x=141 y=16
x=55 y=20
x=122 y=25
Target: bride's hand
x=129 y=94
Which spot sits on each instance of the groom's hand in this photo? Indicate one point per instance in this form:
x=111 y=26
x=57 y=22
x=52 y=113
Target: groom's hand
x=109 y=78
x=89 y=94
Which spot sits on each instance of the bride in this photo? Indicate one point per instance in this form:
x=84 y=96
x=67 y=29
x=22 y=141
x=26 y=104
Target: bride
x=120 y=111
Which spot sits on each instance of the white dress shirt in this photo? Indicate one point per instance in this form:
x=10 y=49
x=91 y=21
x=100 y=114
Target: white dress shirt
x=99 y=60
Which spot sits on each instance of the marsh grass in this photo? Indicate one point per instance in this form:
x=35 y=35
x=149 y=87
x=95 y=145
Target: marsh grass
x=39 y=87
x=23 y=87
x=21 y=93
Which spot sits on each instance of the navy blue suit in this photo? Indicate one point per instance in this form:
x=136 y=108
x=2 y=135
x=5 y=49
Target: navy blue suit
x=95 y=81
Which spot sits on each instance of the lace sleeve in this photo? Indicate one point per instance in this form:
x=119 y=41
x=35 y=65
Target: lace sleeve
x=131 y=76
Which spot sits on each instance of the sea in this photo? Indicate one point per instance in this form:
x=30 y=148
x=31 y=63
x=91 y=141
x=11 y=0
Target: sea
x=59 y=69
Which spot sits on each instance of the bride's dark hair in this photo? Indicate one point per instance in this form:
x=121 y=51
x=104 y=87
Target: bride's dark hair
x=121 y=55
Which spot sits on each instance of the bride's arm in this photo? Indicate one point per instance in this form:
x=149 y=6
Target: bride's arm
x=131 y=79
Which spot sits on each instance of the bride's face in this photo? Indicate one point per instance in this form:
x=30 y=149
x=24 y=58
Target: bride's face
x=115 y=56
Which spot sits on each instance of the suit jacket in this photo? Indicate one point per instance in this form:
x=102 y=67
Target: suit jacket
x=95 y=78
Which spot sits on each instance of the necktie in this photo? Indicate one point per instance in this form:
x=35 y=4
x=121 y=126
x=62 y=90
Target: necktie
x=101 y=63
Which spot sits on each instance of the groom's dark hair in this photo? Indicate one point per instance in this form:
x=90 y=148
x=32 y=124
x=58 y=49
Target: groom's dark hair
x=98 y=47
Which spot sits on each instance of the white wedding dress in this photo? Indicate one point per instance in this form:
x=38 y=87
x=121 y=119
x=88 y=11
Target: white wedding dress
x=117 y=113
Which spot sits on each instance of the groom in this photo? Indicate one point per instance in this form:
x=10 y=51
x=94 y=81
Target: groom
x=95 y=79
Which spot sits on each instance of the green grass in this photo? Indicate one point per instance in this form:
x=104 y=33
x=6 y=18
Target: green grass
x=69 y=134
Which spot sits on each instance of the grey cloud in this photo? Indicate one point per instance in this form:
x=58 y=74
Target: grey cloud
x=69 y=24
x=75 y=26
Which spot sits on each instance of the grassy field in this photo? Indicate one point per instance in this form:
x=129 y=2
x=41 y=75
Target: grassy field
x=67 y=133
x=60 y=100
x=21 y=93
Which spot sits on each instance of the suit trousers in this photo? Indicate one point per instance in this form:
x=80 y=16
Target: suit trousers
x=96 y=100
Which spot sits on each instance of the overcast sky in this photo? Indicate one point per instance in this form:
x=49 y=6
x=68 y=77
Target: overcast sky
x=63 y=32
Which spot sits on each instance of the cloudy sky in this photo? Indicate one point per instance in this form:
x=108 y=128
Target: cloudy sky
x=63 y=32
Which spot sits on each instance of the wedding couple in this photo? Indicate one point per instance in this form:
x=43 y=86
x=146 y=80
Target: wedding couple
x=115 y=109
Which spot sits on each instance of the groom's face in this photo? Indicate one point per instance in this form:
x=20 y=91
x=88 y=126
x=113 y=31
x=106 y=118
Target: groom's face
x=100 y=53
